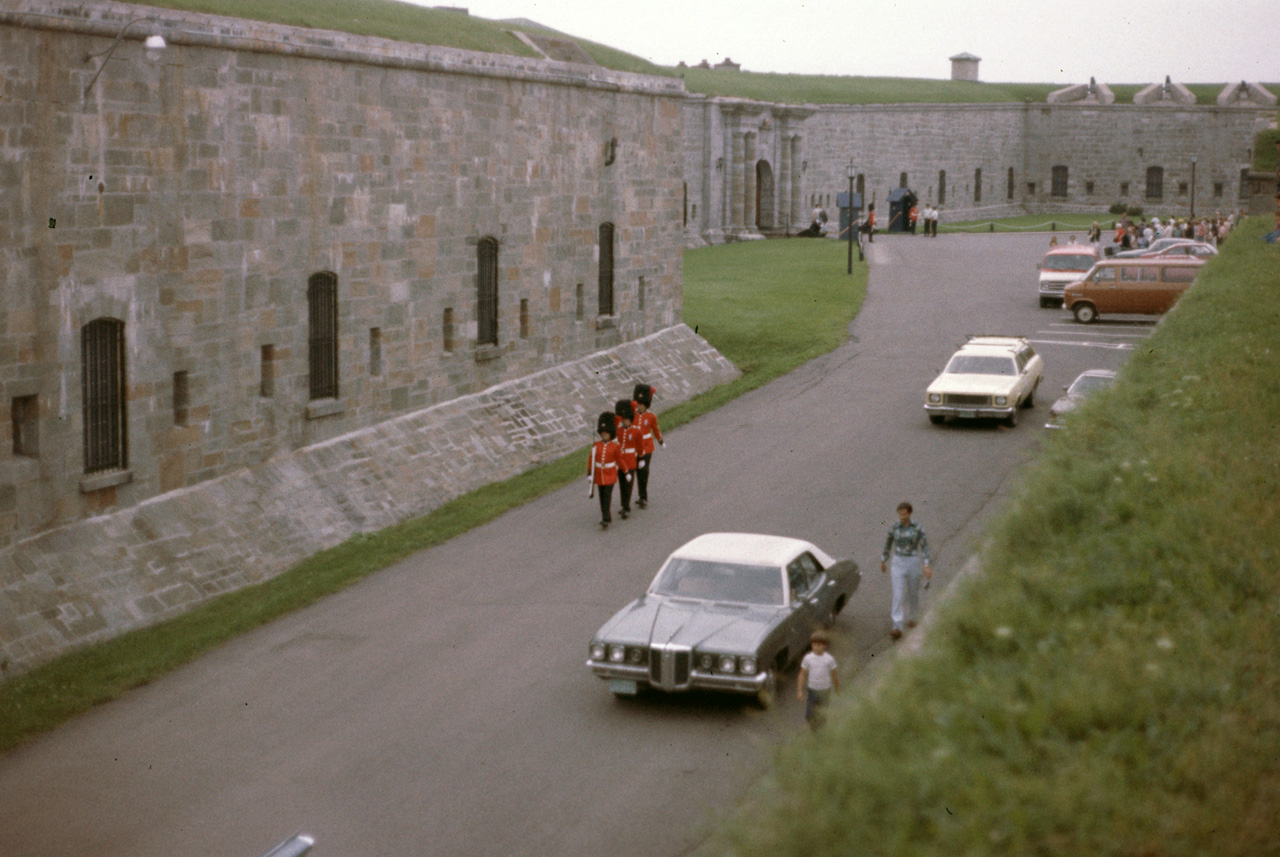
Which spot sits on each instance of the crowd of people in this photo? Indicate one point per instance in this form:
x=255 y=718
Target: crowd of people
x=628 y=436
x=1136 y=235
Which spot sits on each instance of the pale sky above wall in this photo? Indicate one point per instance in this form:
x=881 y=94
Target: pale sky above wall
x=1032 y=41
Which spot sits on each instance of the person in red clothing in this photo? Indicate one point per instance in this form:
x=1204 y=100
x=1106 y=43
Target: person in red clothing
x=647 y=422
x=602 y=466
x=630 y=439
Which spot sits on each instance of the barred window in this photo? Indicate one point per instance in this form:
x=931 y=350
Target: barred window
x=942 y=187
x=1009 y=185
x=1059 y=181
x=487 y=292
x=102 y=372
x=977 y=185
x=1155 y=182
x=322 y=342
x=606 y=269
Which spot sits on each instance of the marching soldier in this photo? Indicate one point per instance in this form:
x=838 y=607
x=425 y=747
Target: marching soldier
x=602 y=466
x=630 y=439
x=647 y=422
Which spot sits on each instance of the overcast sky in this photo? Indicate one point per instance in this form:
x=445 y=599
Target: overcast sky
x=1116 y=41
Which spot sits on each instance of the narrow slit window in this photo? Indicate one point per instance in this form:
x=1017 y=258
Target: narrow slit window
x=322 y=305
x=102 y=356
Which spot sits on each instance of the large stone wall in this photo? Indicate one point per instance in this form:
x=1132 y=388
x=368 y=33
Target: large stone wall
x=96 y=578
x=193 y=195
x=994 y=159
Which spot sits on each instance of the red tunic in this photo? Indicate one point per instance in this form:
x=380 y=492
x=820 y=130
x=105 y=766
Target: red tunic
x=602 y=462
x=648 y=424
x=632 y=440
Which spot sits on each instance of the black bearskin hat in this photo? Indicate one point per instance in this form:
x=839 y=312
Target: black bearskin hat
x=623 y=409
x=643 y=394
x=605 y=423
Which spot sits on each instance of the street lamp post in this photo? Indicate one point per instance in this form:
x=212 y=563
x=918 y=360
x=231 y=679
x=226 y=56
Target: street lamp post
x=852 y=224
x=1193 y=186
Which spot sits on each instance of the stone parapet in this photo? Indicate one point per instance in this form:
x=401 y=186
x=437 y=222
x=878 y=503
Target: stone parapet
x=97 y=578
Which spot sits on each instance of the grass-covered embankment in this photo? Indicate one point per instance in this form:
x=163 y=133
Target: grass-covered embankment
x=767 y=306
x=1108 y=685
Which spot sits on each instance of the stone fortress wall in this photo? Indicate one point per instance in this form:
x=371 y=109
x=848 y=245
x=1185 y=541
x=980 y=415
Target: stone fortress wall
x=744 y=160
x=272 y=286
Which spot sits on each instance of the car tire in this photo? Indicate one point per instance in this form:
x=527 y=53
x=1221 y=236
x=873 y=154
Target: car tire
x=1030 y=400
x=937 y=419
x=1046 y=302
x=1085 y=313
x=767 y=695
x=1012 y=420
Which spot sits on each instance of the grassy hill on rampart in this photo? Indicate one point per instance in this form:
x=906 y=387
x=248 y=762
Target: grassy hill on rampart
x=1107 y=685
x=392 y=19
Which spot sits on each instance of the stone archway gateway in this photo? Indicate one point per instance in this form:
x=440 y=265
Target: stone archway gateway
x=765 y=203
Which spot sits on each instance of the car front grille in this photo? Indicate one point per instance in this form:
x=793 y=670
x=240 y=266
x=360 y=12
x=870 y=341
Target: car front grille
x=966 y=400
x=669 y=667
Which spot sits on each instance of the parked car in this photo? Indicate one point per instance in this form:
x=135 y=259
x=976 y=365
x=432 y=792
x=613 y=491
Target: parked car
x=1085 y=383
x=1198 y=249
x=989 y=377
x=726 y=612
x=1063 y=265
x=1144 y=286
x=1155 y=247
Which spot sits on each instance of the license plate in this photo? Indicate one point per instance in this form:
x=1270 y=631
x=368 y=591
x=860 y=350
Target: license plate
x=968 y=415
x=622 y=685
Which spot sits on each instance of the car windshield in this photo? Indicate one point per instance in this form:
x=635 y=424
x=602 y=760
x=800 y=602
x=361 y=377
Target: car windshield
x=981 y=364
x=1088 y=383
x=1069 y=263
x=720 y=581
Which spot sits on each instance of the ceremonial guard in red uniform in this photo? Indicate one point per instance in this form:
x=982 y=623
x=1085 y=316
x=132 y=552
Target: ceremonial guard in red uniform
x=630 y=438
x=602 y=466
x=647 y=422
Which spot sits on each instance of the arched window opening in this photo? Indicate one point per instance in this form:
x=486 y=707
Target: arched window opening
x=102 y=372
x=322 y=336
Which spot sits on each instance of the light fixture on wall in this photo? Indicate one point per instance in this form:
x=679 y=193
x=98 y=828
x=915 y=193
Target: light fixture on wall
x=153 y=44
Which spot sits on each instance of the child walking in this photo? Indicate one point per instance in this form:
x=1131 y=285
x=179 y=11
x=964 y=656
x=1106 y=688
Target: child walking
x=818 y=679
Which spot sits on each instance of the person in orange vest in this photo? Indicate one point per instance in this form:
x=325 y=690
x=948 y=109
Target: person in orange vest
x=647 y=422
x=602 y=466
x=630 y=439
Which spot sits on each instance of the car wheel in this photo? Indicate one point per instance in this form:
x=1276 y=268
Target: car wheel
x=1085 y=313
x=1030 y=400
x=1046 y=302
x=1012 y=420
x=767 y=695
x=936 y=419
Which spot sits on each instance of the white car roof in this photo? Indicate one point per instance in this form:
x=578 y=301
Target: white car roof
x=996 y=341
x=746 y=548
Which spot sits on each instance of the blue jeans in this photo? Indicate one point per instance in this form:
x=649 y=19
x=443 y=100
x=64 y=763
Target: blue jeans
x=905 y=573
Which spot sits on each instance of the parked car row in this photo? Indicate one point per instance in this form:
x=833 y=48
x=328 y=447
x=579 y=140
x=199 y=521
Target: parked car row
x=1146 y=282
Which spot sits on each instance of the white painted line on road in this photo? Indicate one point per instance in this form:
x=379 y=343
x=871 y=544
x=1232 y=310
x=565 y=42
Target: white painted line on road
x=1134 y=335
x=1114 y=346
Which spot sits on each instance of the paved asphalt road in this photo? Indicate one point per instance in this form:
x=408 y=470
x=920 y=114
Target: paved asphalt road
x=442 y=707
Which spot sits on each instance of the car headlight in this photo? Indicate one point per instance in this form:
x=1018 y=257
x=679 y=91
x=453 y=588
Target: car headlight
x=617 y=654
x=635 y=655
x=1002 y=400
x=748 y=666
x=598 y=651
x=706 y=662
x=728 y=663
x=935 y=398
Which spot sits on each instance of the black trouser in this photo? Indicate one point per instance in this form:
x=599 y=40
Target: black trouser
x=606 y=500
x=627 y=480
x=642 y=477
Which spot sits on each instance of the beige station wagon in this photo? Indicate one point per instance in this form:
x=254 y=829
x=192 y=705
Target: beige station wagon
x=989 y=377
x=1142 y=286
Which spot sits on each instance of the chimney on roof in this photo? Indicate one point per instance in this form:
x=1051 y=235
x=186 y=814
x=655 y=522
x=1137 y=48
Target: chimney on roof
x=965 y=67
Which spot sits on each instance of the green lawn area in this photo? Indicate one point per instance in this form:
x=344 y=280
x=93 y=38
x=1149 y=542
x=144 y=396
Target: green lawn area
x=767 y=305
x=1059 y=222
x=1107 y=685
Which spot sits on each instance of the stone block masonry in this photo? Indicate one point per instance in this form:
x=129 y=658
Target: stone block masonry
x=97 y=578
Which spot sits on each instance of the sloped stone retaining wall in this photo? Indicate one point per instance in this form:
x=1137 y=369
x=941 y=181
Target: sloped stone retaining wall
x=99 y=577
